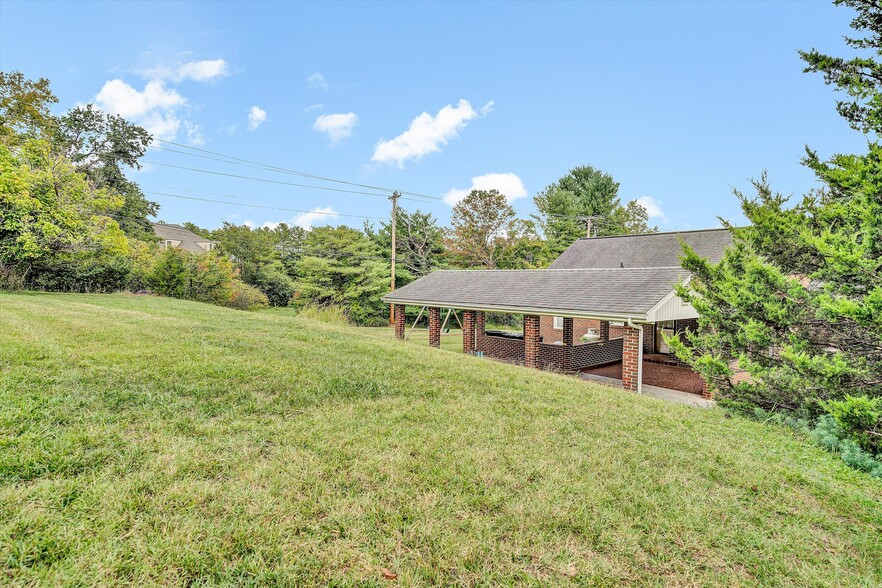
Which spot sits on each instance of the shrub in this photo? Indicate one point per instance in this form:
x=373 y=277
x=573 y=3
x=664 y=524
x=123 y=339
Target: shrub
x=245 y=297
x=278 y=287
x=204 y=278
x=860 y=419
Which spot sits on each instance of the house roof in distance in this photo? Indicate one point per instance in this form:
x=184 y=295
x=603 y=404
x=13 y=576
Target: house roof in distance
x=606 y=293
x=189 y=241
x=646 y=250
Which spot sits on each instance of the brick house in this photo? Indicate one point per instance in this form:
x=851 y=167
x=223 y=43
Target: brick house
x=603 y=306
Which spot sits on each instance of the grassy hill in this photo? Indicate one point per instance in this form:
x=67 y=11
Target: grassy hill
x=146 y=440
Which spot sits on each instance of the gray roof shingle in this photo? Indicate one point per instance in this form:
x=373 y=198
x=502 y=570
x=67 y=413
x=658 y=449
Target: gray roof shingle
x=649 y=250
x=189 y=241
x=597 y=293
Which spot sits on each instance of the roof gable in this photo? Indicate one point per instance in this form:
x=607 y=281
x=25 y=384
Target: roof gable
x=648 y=250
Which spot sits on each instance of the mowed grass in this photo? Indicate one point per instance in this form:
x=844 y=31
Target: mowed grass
x=152 y=441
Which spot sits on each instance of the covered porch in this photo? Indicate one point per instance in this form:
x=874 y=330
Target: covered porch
x=626 y=305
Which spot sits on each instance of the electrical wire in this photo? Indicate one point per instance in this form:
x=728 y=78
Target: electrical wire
x=289 y=171
x=170 y=195
x=268 y=181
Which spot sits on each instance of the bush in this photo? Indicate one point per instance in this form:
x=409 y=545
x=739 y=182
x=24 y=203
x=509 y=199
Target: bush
x=245 y=297
x=278 y=287
x=82 y=274
x=827 y=433
x=191 y=276
x=860 y=419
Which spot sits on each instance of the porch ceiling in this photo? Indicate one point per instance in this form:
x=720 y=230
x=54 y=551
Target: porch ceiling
x=601 y=293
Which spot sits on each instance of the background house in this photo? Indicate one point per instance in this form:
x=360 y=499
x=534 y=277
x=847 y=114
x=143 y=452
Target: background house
x=176 y=236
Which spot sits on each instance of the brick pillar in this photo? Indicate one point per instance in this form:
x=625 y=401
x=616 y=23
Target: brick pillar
x=706 y=391
x=399 y=320
x=568 y=332
x=479 y=330
x=630 y=357
x=531 y=340
x=468 y=332
x=434 y=326
x=604 y=330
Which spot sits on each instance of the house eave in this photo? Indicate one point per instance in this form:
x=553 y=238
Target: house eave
x=566 y=313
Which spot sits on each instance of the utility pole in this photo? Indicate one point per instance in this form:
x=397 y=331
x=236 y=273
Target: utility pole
x=588 y=220
x=394 y=198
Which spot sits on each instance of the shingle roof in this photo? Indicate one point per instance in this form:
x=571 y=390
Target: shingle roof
x=596 y=293
x=188 y=240
x=650 y=250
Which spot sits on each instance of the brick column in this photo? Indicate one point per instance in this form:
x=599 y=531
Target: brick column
x=479 y=330
x=630 y=357
x=434 y=326
x=604 y=330
x=531 y=340
x=568 y=332
x=468 y=332
x=706 y=391
x=399 y=320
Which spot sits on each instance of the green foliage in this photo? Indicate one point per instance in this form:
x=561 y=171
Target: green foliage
x=275 y=284
x=245 y=297
x=342 y=267
x=485 y=232
x=796 y=303
x=586 y=192
x=861 y=420
x=860 y=76
x=419 y=241
x=201 y=277
x=25 y=108
x=54 y=223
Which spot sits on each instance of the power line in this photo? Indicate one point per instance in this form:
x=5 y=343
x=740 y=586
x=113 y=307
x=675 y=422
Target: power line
x=170 y=195
x=268 y=181
x=289 y=171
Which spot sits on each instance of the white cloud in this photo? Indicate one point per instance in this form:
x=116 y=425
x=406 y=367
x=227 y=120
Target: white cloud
x=426 y=134
x=154 y=108
x=194 y=134
x=248 y=223
x=198 y=71
x=317 y=80
x=118 y=97
x=313 y=107
x=487 y=108
x=336 y=126
x=305 y=219
x=508 y=184
x=652 y=206
x=256 y=117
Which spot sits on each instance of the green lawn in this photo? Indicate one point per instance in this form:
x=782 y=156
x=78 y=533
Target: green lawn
x=152 y=441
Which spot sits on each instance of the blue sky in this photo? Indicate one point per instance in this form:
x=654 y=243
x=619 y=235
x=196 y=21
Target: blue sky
x=680 y=102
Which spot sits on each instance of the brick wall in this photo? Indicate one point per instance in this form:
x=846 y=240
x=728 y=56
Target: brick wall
x=597 y=353
x=504 y=348
x=580 y=327
x=630 y=350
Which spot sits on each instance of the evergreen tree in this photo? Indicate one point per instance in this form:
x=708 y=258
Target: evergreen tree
x=797 y=302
